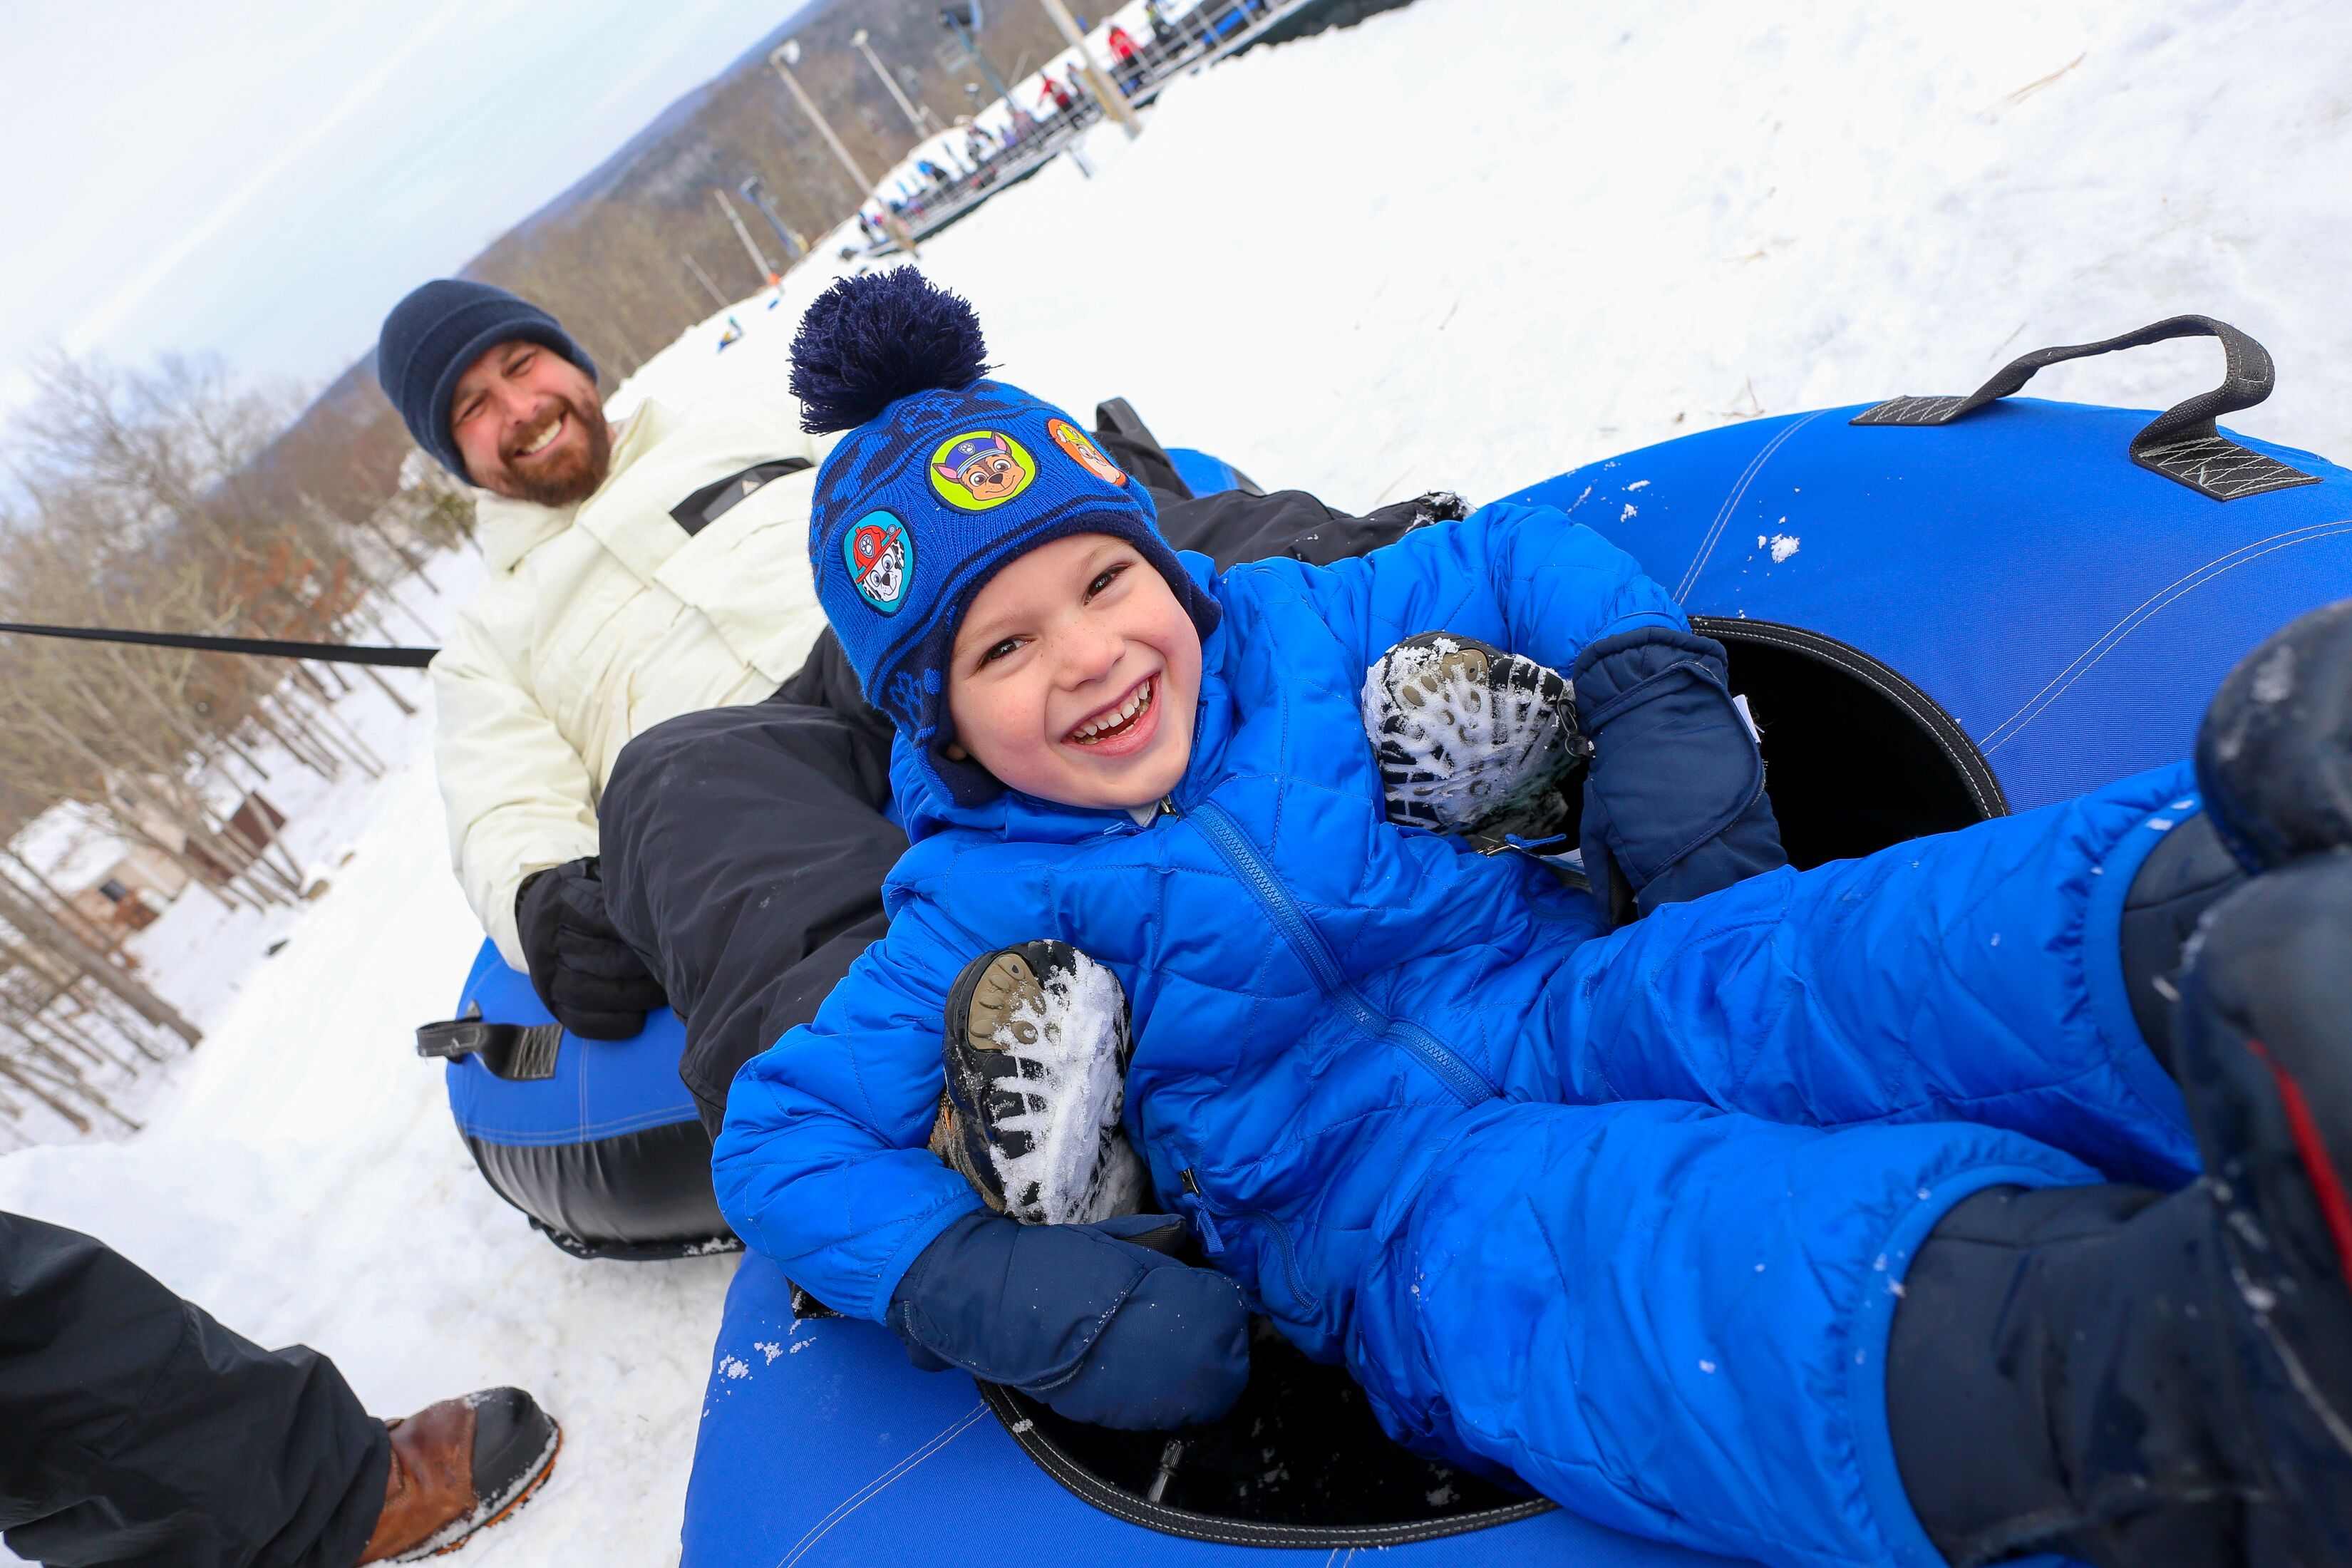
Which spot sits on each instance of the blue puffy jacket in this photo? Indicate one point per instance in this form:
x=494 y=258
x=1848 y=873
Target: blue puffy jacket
x=1623 y=1213
x=1301 y=975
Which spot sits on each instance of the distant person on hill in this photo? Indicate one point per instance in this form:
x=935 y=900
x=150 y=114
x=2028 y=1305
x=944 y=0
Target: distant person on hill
x=1056 y=94
x=1163 y=33
x=637 y=570
x=136 y=1429
x=1129 y=68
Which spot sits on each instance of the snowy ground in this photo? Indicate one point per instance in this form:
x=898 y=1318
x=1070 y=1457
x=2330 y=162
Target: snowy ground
x=1467 y=244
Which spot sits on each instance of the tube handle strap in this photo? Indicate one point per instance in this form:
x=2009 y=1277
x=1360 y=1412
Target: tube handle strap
x=2182 y=443
x=519 y=1052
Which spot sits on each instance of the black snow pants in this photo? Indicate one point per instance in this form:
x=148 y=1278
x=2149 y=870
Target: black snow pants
x=744 y=847
x=136 y=1430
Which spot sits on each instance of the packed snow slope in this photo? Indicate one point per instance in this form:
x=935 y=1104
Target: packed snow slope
x=1467 y=244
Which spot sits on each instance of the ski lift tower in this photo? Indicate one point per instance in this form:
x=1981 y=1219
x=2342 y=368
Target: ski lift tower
x=918 y=115
x=782 y=59
x=964 y=21
x=757 y=194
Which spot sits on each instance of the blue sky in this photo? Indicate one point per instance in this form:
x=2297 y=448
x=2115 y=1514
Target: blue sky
x=264 y=179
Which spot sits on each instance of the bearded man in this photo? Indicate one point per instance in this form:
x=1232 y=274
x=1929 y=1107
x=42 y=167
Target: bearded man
x=637 y=570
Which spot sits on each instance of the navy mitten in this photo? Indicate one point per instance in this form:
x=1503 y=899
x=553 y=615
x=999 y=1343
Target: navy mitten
x=1673 y=805
x=1092 y=1320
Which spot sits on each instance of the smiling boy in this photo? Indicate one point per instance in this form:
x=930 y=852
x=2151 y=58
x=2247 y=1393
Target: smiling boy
x=1074 y=674
x=1630 y=1215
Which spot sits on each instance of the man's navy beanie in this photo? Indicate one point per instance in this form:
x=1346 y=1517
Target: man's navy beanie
x=944 y=478
x=432 y=336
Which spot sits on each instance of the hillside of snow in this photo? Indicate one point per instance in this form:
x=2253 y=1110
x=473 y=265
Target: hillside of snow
x=1465 y=245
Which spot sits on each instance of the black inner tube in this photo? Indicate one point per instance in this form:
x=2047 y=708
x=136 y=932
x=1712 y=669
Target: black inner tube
x=1300 y=1462
x=1856 y=757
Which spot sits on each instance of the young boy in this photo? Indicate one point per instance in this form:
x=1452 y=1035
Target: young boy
x=1631 y=1215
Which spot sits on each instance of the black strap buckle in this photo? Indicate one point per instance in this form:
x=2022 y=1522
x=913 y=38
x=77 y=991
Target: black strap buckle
x=519 y=1052
x=715 y=499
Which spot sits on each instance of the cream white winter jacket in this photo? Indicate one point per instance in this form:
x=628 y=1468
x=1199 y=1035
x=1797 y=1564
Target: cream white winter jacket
x=602 y=619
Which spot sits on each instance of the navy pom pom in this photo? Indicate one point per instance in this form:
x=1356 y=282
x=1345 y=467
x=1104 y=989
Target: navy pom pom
x=870 y=341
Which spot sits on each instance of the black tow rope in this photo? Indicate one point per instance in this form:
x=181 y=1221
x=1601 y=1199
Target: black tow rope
x=326 y=652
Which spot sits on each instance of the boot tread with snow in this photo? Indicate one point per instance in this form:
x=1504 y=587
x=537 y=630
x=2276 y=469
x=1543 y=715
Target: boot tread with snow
x=1036 y=1056
x=1474 y=742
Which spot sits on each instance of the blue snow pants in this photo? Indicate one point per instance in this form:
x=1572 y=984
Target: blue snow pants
x=1655 y=1276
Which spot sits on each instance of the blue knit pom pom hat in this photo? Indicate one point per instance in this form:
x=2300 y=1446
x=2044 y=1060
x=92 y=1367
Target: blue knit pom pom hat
x=944 y=478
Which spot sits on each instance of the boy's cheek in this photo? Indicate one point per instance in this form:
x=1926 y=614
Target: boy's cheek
x=980 y=722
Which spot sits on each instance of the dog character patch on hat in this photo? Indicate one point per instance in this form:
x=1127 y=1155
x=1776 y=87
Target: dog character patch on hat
x=1081 y=451
x=981 y=468
x=881 y=557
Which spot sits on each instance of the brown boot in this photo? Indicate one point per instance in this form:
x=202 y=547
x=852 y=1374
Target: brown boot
x=459 y=1467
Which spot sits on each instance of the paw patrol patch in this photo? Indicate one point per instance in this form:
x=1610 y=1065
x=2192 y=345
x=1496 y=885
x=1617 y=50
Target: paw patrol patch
x=1081 y=451
x=981 y=468
x=880 y=554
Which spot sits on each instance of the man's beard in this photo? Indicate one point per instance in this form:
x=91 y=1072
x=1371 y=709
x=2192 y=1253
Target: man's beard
x=567 y=482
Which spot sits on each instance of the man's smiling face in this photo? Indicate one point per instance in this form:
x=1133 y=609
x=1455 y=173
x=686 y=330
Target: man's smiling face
x=529 y=426
x=1074 y=676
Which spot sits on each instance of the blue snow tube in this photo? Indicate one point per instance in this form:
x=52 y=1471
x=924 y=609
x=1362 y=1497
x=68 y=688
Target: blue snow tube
x=1941 y=610
x=1207 y=475
x=596 y=1142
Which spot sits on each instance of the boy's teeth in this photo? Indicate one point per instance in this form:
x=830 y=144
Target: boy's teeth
x=1128 y=710
x=544 y=437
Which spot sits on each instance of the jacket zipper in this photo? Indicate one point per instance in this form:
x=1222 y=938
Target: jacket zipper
x=1212 y=1240
x=1224 y=836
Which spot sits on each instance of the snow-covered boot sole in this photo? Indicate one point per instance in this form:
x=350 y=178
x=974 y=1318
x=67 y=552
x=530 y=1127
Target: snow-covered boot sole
x=2275 y=752
x=1473 y=741
x=2265 y=1039
x=1036 y=1054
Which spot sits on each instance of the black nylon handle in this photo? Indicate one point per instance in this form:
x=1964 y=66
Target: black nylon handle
x=519 y=1052
x=2247 y=377
x=2182 y=443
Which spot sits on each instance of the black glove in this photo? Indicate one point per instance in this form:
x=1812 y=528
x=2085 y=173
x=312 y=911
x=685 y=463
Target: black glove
x=592 y=982
x=1094 y=1320
x=1674 y=805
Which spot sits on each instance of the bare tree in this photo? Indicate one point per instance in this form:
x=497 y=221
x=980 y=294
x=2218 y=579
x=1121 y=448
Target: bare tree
x=168 y=498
